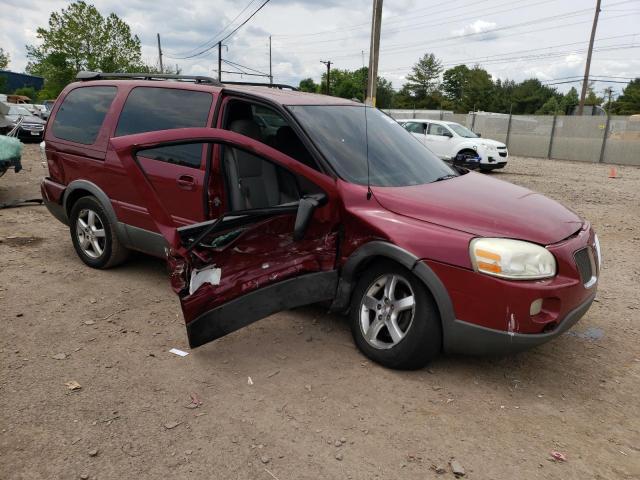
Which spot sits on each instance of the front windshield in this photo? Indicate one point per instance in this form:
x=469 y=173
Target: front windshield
x=462 y=131
x=396 y=158
x=18 y=111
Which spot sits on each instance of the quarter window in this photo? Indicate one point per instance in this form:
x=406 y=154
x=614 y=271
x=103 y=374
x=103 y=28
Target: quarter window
x=80 y=117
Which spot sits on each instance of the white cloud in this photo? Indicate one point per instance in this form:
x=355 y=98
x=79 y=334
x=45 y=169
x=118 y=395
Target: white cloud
x=476 y=28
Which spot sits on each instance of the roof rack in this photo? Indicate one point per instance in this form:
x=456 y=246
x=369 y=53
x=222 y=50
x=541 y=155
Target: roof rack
x=85 y=76
x=280 y=86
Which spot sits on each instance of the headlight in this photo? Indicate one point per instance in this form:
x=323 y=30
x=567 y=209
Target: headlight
x=512 y=259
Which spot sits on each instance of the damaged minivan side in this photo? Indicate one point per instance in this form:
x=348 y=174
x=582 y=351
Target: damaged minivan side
x=262 y=200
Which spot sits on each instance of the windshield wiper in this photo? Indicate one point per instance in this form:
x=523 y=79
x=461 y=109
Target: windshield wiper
x=445 y=177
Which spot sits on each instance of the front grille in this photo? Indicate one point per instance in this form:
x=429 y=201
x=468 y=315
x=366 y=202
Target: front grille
x=586 y=266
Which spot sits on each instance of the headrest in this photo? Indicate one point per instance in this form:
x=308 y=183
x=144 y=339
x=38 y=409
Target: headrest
x=246 y=127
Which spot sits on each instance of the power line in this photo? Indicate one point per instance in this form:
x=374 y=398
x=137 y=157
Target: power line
x=226 y=37
x=208 y=42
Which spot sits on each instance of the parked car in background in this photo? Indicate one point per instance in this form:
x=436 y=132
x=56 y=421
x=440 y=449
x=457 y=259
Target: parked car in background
x=41 y=111
x=340 y=205
x=32 y=127
x=449 y=139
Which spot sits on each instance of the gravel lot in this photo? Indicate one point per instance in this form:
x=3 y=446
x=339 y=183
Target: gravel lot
x=316 y=408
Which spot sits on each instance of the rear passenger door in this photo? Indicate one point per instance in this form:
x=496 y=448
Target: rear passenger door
x=177 y=172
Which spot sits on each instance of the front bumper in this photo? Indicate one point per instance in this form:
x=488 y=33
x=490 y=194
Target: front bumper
x=493 y=315
x=469 y=339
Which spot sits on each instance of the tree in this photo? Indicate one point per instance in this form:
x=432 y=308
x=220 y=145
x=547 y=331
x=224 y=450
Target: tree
x=454 y=81
x=478 y=90
x=629 y=102
x=308 y=85
x=80 y=38
x=570 y=100
x=422 y=82
x=5 y=58
x=530 y=95
x=550 y=107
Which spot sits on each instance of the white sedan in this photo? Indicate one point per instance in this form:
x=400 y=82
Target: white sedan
x=448 y=139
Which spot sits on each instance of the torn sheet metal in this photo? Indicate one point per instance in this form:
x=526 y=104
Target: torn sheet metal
x=209 y=274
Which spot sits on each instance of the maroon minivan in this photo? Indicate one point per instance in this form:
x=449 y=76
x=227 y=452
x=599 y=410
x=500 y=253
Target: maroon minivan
x=264 y=199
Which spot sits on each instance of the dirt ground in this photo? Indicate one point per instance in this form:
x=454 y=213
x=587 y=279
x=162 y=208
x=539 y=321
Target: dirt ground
x=314 y=408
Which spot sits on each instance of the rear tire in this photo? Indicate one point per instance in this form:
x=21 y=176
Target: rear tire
x=93 y=235
x=394 y=319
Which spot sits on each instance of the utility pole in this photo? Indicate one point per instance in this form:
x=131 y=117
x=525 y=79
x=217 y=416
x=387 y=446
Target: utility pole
x=160 y=54
x=585 y=82
x=609 y=92
x=328 y=64
x=374 y=53
x=270 y=66
x=220 y=61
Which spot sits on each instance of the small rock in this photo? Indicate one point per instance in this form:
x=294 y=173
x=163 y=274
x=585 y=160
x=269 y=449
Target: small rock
x=188 y=452
x=264 y=459
x=338 y=443
x=93 y=452
x=84 y=476
x=308 y=387
x=457 y=468
x=339 y=456
x=170 y=425
x=343 y=440
x=92 y=300
x=439 y=469
x=73 y=385
x=89 y=322
x=20 y=315
x=59 y=356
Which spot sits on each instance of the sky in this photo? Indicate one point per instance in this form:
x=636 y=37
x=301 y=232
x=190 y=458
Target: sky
x=511 y=39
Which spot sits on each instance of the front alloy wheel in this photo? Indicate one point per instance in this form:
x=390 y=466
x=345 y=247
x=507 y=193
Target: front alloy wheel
x=394 y=319
x=387 y=311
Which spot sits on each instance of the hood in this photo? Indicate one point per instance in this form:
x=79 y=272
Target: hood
x=26 y=119
x=489 y=142
x=478 y=204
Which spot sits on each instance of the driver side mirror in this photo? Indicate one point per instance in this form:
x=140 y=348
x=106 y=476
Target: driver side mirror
x=447 y=133
x=306 y=206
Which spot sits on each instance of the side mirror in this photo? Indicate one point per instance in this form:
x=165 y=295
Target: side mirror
x=306 y=206
x=478 y=134
x=447 y=133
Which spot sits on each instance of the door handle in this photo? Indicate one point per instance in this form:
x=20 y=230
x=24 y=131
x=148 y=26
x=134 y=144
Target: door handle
x=186 y=182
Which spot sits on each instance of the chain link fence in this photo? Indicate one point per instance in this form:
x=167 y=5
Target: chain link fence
x=595 y=139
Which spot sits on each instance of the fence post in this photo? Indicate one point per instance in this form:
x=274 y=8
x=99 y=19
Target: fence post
x=604 y=138
x=553 y=131
x=414 y=111
x=473 y=121
x=506 y=142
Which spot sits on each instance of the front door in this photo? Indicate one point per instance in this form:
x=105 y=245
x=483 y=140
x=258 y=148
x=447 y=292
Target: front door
x=438 y=141
x=274 y=248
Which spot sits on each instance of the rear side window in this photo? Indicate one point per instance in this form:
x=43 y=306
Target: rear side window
x=151 y=108
x=82 y=113
x=187 y=155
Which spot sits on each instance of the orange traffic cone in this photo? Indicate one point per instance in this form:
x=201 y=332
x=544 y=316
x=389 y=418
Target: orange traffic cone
x=613 y=172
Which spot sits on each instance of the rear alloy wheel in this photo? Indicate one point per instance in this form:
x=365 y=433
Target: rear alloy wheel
x=93 y=236
x=394 y=320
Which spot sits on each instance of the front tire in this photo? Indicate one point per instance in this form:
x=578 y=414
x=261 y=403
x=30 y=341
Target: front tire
x=93 y=235
x=394 y=319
